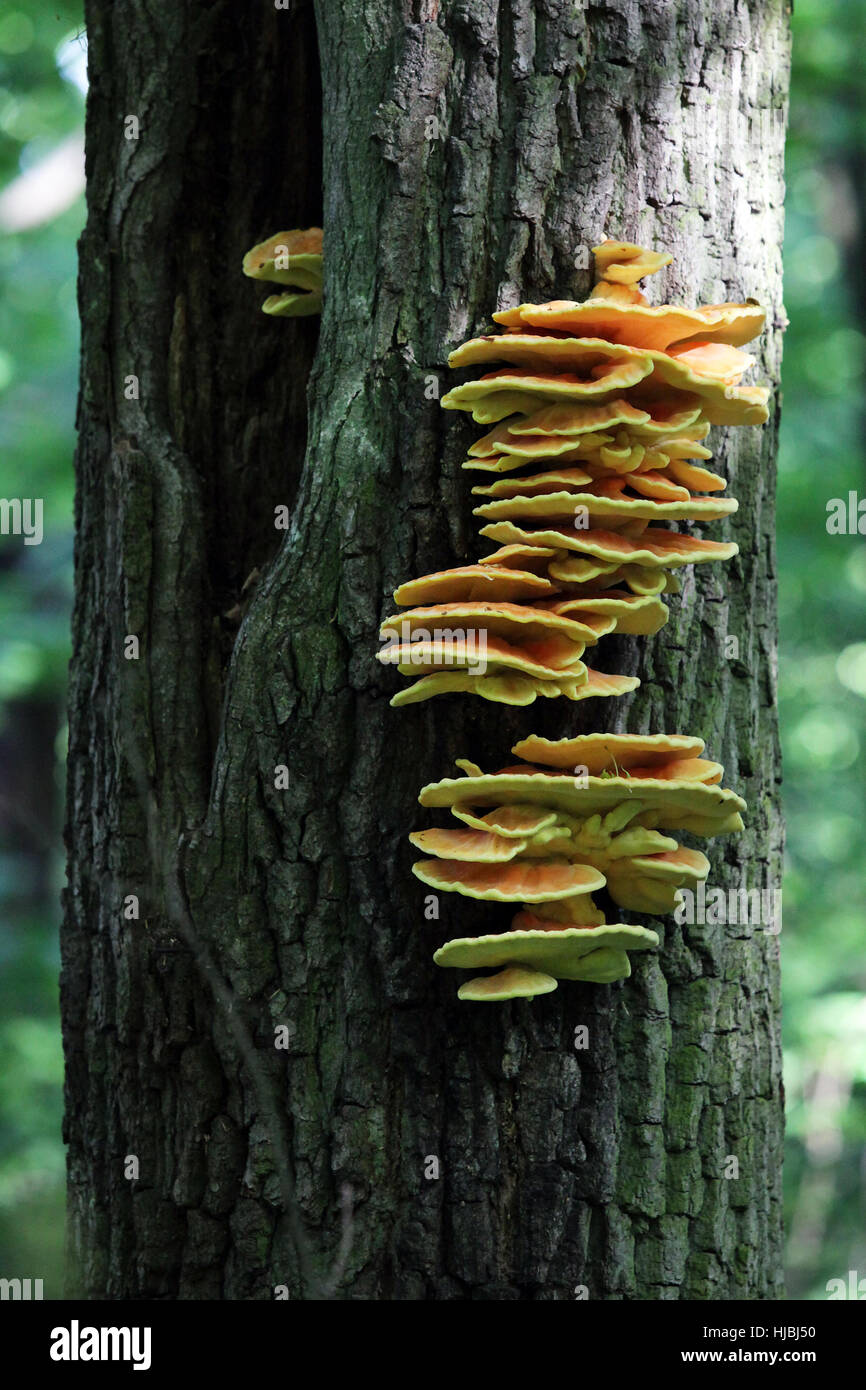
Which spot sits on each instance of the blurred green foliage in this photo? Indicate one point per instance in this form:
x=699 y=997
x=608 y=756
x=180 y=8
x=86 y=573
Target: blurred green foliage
x=822 y=591
x=40 y=106
x=822 y=686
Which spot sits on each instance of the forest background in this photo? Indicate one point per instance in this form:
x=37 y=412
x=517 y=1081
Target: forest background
x=822 y=600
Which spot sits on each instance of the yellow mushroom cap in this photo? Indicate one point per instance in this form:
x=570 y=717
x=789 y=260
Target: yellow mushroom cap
x=624 y=295
x=533 y=349
x=516 y=821
x=530 y=387
x=514 y=622
x=494 y=583
x=643 y=868
x=719 y=360
x=509 y=463
x=706 y=809
x=553 y=505
x=530 y=557
x=520 y=880
x=667 y=416
x=686 y=443
x=649 y=883
x=622 y=262
x=496 y=395
x=635 y=615
x=515 y=688
x=491 y=407
x=469 y=846
x=640 y=325
x=554 y=480
x=562 y=953
x=579 y=911
x=514 y=983
x=289 y=258
x=580 y=570
x=696 y=479
x=657 y=486
x=599 y=752
x=604 y=686
x=700 y=367
x=653 y=548
x=627 y=450
x=303 y=246
x=292 y=306
x=545 y=658
x=682 y=770
x=576 y=419
x=673 y=866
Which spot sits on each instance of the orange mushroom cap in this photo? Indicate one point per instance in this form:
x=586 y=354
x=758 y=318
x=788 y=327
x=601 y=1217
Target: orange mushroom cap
x=494 y=583
x=693 y=477
x=515 y=622
x=469 y=846
x=289 y=258
x=518 y=388
x=259 y=261
x=601 y=752
x=529 y=557
x=695 y=366
x=640 y=325
x=521 y=880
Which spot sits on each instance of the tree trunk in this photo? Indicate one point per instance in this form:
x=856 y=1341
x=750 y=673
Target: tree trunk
x=472 y=154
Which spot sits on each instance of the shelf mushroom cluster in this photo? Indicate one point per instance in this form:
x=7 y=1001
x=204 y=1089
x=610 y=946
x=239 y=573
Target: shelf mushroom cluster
x=598 y=419
x=292 y=259
x=599 y=416
x=574 y=816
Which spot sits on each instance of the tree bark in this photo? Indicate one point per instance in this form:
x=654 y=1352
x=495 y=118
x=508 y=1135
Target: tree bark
x=471 y=156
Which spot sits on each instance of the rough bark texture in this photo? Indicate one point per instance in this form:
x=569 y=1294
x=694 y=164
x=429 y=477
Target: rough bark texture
x=557 y=123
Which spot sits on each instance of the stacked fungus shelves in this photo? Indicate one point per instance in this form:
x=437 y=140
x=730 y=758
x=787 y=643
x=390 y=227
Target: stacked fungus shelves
x=596 y=416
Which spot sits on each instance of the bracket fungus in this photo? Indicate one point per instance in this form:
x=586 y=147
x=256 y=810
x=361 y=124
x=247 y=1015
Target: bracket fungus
x=599 y=412
x=581 y=814
x=537 y=957
x=620 y=313
x=293 y=259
